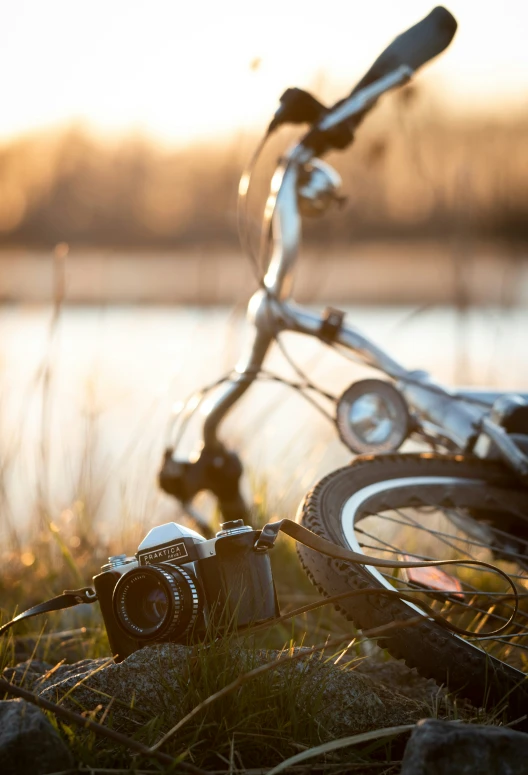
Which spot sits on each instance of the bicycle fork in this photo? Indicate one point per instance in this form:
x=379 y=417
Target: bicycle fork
x=215 y=468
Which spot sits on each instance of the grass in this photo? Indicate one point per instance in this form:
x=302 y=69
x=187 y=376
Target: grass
x=266 y=720
x=272 y=718
x=269 y=719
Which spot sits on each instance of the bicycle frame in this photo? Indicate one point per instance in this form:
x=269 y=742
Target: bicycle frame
x=271 y=311
x=454 y=415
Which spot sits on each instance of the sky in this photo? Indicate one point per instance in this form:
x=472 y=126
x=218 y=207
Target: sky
x=181 y=71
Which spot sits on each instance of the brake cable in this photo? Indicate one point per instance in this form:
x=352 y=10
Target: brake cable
x=242 y=209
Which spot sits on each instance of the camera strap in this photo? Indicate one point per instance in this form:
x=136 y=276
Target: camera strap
x=306 y=537
x=68 y=599
x=264 y=543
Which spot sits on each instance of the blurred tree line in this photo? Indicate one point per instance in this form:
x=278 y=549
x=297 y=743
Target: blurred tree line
x=413 y=173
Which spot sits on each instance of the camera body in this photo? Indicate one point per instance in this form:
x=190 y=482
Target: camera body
x=179 y=584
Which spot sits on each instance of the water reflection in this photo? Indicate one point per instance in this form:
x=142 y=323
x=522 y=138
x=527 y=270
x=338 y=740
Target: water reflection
x=84 y=408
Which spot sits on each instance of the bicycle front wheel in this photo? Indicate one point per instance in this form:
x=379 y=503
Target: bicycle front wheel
x=426 y=507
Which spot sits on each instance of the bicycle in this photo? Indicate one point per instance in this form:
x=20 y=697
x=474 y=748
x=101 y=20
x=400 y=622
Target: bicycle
x=382 y=504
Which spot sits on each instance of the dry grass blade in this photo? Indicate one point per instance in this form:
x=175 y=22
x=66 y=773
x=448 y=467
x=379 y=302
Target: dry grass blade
x=360 y=768
x=244 y=677
x=344 y=742
x=301 y=654
x=86 y=677
x=98 y=729
x=388 y=593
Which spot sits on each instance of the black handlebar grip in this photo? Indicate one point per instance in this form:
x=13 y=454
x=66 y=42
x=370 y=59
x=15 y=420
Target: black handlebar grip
x=414 y=47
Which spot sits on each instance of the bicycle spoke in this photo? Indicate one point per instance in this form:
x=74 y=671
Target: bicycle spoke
x=449 y=599
x=503 y=639
x=470 y=587
x=441 y=534
x=445 y=600
x=426 y=558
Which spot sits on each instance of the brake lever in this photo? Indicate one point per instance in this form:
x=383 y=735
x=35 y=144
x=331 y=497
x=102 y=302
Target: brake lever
x=297 y=107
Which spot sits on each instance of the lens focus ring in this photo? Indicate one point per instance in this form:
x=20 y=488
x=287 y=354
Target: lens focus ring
x=156 y=602
x=170 y=626
x=195 y=596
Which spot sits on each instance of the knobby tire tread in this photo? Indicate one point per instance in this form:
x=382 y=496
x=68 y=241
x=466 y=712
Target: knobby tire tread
x=434 y=651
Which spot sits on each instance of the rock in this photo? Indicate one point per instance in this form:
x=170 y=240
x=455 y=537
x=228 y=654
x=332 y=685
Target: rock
x=404 y=680
x=142 y=686
x=68 y=675
x=28 y=742
x=153 y=682
x=444 y=748
x=407 y=681
x=349 y=703
x=27 y=673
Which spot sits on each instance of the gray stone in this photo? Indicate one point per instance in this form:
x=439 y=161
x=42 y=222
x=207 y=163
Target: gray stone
x=26 y=674
x=152 y=682
x=404 y=680
x=29 y=745
x=445 y=748
x=350 y=703
x=142 y=686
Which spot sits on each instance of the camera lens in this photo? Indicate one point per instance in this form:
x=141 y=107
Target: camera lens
x=153 y=604
x=156 y=602
x=156 y=605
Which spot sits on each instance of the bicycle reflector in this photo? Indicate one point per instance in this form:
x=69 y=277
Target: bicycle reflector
x=433 y=580
x=372 y=417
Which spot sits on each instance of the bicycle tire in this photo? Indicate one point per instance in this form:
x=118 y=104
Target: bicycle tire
x=434 y=651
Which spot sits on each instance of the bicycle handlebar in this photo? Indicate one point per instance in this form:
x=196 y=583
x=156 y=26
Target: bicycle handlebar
x=360 y=101
x=420 y=43
x=406 y=54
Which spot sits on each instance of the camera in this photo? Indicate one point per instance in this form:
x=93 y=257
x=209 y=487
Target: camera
x=178 y=584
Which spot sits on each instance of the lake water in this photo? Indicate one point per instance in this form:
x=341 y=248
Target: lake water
x=84 y=404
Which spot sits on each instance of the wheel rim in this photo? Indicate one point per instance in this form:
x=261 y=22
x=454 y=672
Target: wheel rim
x=428 y=517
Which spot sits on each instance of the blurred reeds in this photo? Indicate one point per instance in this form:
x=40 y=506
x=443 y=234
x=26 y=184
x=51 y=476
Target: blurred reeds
x=414 y=172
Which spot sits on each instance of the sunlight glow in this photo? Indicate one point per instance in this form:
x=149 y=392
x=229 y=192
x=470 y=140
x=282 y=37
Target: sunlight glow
x=244 y=184
x=182 y=72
